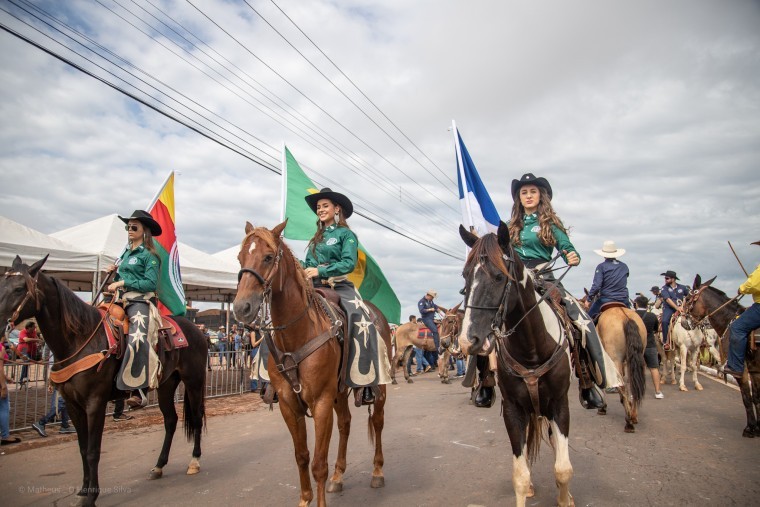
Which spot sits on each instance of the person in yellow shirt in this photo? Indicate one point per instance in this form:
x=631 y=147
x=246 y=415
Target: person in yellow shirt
x=744 y=325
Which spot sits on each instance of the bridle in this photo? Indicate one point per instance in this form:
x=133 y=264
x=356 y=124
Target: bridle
x=32 y=291
x=692 y=298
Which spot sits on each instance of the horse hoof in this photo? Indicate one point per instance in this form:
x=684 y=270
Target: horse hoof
x=673 y=383
x=635 y=420
x=394 y=382
x=378 y=481
x=682 y=388
x=747 y=433
x=193 y=469
x=156 y=473
x=445 y=381
x=601 y=411
x=531 y=492
x=629 y=428
x=334 y=487
x=409 y=381
x=699 y=387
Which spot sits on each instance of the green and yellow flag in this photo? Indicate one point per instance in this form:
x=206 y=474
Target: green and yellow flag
x=302 y=225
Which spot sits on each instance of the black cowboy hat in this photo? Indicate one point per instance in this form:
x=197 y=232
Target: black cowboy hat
x=670 y=274
x=655 y=289
x=529 y=179
x=338 y=198
x=144 y=218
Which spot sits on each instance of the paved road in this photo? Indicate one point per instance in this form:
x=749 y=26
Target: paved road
x=439 y=450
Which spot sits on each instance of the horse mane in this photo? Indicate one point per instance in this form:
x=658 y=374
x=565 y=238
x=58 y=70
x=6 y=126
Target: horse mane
x=77 y=317
x=717 y=292
x=307 y=291
x=486 y=247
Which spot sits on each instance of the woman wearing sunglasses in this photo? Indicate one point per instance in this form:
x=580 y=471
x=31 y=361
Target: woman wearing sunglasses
x=136 y=281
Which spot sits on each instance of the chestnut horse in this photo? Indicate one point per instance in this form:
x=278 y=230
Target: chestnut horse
x=502 y=308
x=406 y=338
x=74 y=330
x=707 y=302
x=271 y=279
x=449 y=330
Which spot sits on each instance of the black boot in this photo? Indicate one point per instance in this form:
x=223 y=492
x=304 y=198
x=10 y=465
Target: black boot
x=484 y=397
x=368 y=396
x=591 y=399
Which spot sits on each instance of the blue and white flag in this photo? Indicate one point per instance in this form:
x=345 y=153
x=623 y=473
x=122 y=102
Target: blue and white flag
x=479 y=214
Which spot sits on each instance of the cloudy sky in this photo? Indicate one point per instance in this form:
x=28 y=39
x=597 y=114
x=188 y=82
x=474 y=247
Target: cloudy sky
x=644 y=116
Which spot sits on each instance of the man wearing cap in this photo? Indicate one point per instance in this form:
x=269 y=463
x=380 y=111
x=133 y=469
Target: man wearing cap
x=610 y=279
x=428 y=311
x=657 y=297
x=673 y=294
x=743 y=326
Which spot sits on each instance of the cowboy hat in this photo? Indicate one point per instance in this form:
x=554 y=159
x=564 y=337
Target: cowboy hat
x=433 y=294
x=670 y=274
x=529 y=179
x=144 y=218
x=339 y=199
x=610 y=251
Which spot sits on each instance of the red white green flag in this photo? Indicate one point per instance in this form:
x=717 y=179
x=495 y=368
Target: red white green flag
x=171 y=295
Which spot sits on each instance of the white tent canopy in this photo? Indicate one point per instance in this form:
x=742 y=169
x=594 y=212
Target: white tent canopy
x=66 y=261
x=204 y=277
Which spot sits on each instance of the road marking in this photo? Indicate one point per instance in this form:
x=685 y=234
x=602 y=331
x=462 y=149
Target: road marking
x=719 y=381
x=456 y=442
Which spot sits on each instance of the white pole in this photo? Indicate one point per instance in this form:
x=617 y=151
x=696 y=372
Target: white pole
x=460 y=163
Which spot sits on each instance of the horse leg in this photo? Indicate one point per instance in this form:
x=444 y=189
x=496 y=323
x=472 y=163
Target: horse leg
x=682 y=354
x=444 y=367
x=563 y=469
x=194 y=411
x=695 y=366
x=79 y=418
x=323 y=426
x=375 y=426
x=626 y=402
x=516 y=429
x=405 y=361
x=95 y=416
x=756 y=402
x=166 y=404
x=297 y=426
x=344 y=429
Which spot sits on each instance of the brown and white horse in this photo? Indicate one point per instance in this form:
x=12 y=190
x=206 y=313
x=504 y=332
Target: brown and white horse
x=272 y=278
x=503 y=309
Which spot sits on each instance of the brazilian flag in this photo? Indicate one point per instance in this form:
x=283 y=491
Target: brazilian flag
x=367 y=277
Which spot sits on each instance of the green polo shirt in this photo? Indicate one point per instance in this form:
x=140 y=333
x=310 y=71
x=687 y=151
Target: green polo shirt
x=532 y=248
x=139 y=270
x=336 y=254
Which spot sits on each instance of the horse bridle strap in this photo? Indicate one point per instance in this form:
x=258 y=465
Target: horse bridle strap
x=531 y=376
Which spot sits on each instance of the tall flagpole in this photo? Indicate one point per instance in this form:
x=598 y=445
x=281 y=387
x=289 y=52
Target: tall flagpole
x=160 y=190
x=462 y=177
x=284 y=190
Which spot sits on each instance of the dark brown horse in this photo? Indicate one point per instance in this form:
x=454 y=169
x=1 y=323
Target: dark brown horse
x=713 y=304
x=73 y=330
x=272 y=279
x=503 y=309
x=449 y=330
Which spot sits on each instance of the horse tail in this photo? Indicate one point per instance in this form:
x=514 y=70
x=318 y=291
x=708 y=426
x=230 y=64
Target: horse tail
x=194 y=413
x=635 y=359
x=536 y=428
x=370 y=426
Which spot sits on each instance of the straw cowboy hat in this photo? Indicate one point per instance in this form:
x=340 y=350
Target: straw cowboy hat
x=341 y=200
x=144 y=218
x=433 y=294
x=610 y=251
x=529 y=179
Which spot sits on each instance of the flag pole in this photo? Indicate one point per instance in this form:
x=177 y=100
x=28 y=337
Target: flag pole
x=462 y=178
x=160 y=190
x=284 y=185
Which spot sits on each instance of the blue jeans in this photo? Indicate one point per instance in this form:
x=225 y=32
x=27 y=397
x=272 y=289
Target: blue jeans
x=223 y=353
x=740 y=330
x=460 y=367
x=5 y=413
x=421 y=361
x=596 y=306
x=665 y=325
x=432 y=356
x=50 y=416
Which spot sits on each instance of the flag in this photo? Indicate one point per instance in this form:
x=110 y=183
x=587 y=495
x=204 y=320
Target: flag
x=171 y=295
x=367 y=276
x=478 y=212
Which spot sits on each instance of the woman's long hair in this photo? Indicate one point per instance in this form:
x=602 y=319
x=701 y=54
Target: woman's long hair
x=546 y=218
x=317 y=239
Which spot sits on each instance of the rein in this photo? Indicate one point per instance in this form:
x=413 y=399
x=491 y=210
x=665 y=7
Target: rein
x=690 y=302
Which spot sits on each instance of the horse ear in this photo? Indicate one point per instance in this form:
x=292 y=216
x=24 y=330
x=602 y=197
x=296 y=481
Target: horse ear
x=17 y=263
x=503 y=235
x=456 y=308
x=248 y=227
x=277 y=231
x=697 y=282
x=34 y=268
x=710 y=281
x=586 y=291
x=468 y=237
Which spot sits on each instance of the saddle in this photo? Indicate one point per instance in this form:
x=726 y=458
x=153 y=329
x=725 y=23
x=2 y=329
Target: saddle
x=425 y=335
x=610 y=305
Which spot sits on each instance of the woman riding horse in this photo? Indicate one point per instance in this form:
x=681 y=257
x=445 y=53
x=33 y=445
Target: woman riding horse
x=535 y=230
x=137 y=279
x=332 y=254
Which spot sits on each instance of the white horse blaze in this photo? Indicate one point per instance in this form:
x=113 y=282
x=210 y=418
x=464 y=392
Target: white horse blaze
x=464 y=341
x=252 y=247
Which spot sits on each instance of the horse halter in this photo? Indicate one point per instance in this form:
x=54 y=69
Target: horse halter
x=266 y=282
x=500 y=317
x=32 y=291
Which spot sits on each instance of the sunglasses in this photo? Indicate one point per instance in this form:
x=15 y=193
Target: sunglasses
x=132 y=228
x=668 y=278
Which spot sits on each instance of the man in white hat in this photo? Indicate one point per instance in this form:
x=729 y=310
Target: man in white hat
x=428 y=310
x=610 y=279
